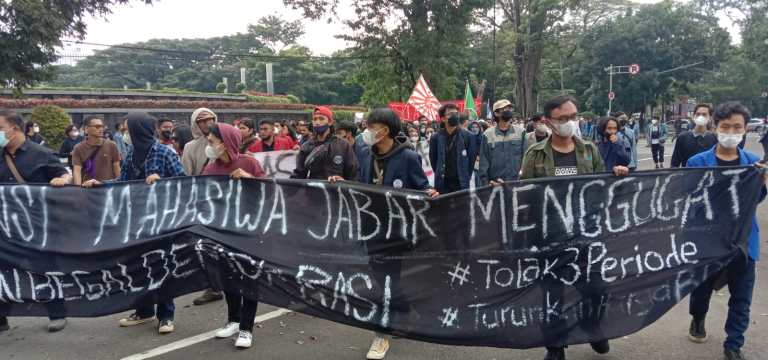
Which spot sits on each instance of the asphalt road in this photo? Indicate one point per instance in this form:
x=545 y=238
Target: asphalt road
x=282 y=335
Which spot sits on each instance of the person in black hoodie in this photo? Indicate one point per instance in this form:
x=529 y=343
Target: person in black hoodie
x=394 y=163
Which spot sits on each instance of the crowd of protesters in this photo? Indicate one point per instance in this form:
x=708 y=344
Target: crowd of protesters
x=383 y=150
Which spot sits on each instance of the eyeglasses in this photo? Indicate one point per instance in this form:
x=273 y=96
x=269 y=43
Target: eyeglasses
x=206 y=119
x=264 y=129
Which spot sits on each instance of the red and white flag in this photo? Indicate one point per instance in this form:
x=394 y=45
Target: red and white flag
x=423 y=100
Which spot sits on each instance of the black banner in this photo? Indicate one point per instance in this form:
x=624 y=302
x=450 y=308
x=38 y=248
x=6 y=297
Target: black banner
x=551 y=261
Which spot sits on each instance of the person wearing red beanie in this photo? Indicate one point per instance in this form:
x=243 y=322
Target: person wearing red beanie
x=325 y=157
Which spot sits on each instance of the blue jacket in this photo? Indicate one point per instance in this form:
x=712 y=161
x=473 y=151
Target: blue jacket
x=630 y=143
x=403 y=169
x=466 y=152
x=614 y=154
x=708 y=159
x=362 y=153
x=501 y=155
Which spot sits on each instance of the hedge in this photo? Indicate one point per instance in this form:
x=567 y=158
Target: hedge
x=53 y=121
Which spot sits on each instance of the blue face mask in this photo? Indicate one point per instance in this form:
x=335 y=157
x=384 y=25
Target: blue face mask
x=3 y=139
x=320 y=129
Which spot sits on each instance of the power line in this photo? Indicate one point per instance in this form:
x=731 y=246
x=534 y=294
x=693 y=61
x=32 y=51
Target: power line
x=210 y=54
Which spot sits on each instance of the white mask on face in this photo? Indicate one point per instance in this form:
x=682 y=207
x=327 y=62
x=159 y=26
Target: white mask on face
x=211 y=152
x=36 y=129
x=700 y=121
x=369 y=137
x=414 y=139
x=729 y=141
x=562 y=129
x=654 y=122
x=541 y=129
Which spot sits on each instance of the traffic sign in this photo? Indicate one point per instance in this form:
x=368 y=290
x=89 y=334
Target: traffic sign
x=611 y=95
x=634 y=69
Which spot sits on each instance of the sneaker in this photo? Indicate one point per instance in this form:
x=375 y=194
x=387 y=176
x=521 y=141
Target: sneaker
x=244 y=340
x=208 y=296
x=56 y=325
x=734 y=355
x=134 y=320
x=165 y=327
x=4 y=324
x=697 y=333
x=228 y=330
x=555 y=354
x=601 y=347
x=378 y=349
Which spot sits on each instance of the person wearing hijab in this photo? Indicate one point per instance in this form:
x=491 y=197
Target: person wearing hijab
x=223 y=151
x=149 y=160
x=194 y=161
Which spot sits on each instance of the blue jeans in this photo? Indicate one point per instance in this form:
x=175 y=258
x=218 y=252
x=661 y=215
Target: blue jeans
x=741 y=283
x=165 y=310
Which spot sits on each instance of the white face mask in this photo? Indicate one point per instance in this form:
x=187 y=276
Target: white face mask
x=36 y=129
x=211 y=152
x=369 y=137
x=729 y=141
x=541 y=129
x=562 y=129
x=653 y=122
x=75 y=133
x=414 y=139
x=700 y=121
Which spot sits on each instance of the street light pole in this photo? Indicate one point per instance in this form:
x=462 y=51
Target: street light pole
x=610 y=88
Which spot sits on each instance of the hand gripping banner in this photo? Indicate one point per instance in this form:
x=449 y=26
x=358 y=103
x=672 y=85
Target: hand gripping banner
x=551 y=261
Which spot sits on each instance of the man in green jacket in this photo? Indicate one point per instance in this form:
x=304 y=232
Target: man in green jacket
x=564 y=154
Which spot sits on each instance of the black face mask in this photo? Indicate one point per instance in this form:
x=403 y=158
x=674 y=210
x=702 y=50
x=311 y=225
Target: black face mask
x=166 y=134
x=453 y=120
x=507 y=115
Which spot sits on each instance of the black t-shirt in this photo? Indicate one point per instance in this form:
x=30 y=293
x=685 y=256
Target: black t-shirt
x=565 y=164
x=268 y=147
x=735 y=162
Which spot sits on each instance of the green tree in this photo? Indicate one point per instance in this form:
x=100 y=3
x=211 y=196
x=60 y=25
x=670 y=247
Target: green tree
x=53 y=121
x=31 y=30
x=400 y=40
x=673 y=43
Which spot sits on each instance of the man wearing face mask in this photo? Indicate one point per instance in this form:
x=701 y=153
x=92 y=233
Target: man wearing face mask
x=452 y=152
x=539 y=131
x=501 y=149
x=628 y=137
x=193 y=157
x=24 y=161
x=165 y=132
x=730 y=123
x=565 y=154
x=696 y=141
x=194 y=160
x=392 y=162
x=657 y=137
x=325 y=156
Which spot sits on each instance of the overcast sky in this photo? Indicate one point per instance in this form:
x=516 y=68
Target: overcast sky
x=173 y=19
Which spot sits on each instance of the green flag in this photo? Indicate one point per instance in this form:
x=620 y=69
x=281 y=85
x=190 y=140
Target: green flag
x=469 y=104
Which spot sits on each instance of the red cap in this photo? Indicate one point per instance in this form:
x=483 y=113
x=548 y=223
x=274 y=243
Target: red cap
x=325 y=111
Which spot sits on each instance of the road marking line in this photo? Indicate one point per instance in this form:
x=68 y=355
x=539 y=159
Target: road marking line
x=180 y=344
